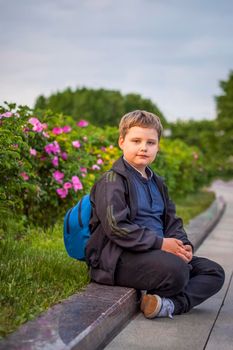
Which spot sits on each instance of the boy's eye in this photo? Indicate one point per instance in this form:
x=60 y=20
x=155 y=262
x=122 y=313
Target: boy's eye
x=151 y=142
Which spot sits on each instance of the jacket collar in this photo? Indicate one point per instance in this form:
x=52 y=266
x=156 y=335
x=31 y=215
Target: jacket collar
x=120 y=168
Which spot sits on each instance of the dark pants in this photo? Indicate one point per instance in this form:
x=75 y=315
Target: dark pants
x=167 y=275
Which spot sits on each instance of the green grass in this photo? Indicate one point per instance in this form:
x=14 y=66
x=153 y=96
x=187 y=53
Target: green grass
x=193 y=204
x=37 y=273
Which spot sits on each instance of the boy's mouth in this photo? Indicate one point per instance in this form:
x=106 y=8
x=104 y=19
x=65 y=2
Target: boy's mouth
x=143 y=156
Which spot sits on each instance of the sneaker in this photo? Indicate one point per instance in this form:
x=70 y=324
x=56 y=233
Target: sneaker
x=153 y=306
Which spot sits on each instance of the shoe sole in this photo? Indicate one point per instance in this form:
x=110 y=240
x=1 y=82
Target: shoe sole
x=150 y=305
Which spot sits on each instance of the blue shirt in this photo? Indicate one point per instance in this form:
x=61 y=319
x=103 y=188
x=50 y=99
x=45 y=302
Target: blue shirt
x=149 y=201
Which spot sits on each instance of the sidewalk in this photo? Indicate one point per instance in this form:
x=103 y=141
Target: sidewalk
x=210 y=325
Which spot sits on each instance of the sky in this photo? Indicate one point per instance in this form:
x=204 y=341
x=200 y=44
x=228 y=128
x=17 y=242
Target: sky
x=174 y=52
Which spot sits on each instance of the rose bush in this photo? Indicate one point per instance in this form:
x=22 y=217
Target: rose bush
x=48 y=161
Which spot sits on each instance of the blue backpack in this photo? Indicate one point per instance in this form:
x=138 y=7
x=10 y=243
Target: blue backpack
x=76 y=230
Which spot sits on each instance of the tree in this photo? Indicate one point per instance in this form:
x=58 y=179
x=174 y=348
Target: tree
x=99 y=106
x=224 y=104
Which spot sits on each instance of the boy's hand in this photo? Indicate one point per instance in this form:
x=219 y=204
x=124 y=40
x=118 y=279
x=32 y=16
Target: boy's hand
x=175 y=246
x=189 y=252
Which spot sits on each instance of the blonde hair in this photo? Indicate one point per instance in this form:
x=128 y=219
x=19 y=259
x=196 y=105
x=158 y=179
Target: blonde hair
x=142 y=119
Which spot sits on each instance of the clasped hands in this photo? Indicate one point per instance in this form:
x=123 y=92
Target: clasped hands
x=177 y=247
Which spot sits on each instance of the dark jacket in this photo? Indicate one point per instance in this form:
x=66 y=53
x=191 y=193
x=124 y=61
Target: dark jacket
x=114 y=204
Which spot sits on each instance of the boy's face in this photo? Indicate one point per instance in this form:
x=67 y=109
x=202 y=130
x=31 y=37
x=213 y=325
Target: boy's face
x=140 y=146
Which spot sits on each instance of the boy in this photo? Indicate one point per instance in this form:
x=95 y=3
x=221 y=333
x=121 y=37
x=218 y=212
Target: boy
x=137 y=241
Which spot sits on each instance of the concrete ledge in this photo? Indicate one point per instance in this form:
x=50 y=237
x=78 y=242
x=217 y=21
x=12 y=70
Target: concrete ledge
x=84 y=321
x=90 y=319
x=199 y=228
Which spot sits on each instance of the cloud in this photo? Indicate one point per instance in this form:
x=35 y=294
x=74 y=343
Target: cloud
x=173 y=52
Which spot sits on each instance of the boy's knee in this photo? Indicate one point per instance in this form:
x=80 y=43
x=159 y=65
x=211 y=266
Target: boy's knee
x=178 y=277
x=220 y=274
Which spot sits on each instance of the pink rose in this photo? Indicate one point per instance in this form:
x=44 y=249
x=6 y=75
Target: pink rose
x=6 y=115
x=83 y=170
x=52 y=148
x=62 y=192
x=45 y=134
x=64 y=155
x=82 y=123
x=24 y=176
x=77 y=185
x=76 y=144
x=55 y=161
x=100 y=161
x=33 y=152
x=66 y=128
x=37 y=126
x=58 y=176
x=57 y=131
x=67 y=185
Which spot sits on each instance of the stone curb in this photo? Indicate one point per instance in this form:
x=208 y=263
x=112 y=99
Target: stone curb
x=199 y=228
x=90 y=319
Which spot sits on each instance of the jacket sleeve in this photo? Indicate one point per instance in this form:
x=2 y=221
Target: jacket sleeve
x=110 y=206
x=173 y=224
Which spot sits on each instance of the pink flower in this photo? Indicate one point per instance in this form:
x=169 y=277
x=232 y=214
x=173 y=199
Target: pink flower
x=100 y=161
x=57 y=131
x=49 y=148
x=45 y=134
x=111 y=146
x=33 y=152
x=24 y=176
x=103 y=149
x=82 y=123
x=77 y=185
x=66 y=128
x=62 y=192
x=85 y=138
x=33 y=121
x=76 y=144
x=52 y=148
x=67 y=185
x=83 y=170
x=58 y=176
x=56 y=147
x=6 y=115
x=37 y=126
x=45 y=126
x=64 y=155
x=55 y=161
x=95 y=167
x=195 y=155
x=15 y=145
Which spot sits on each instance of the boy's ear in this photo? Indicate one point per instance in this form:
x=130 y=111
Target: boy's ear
x=120 y=142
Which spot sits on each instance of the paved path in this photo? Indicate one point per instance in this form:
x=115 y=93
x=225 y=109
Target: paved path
x=210 y=325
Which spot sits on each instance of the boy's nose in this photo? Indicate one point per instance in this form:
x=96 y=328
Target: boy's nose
x=144 y=148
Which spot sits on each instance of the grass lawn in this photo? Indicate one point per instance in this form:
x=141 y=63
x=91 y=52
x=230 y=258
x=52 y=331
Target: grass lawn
x=193 y=204
x=36 y=272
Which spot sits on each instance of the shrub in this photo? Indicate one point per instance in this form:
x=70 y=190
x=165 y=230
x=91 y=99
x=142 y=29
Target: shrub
x=48 y=161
